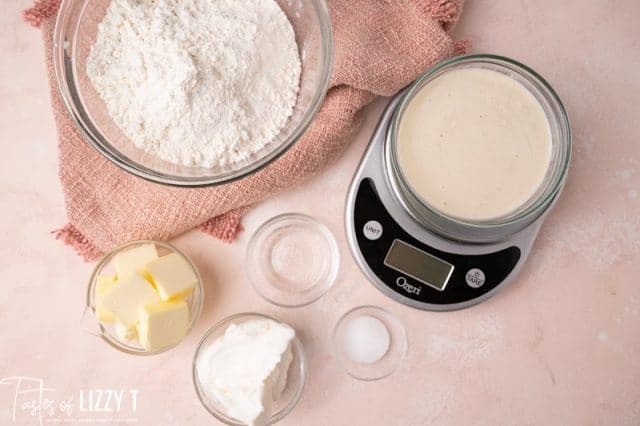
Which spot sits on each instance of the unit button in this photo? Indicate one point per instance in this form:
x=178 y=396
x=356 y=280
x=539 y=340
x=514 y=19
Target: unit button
x=372 y=230
x=475 y=278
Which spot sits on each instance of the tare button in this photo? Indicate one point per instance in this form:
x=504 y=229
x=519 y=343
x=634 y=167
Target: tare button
x=372 y=230
x=475 y=278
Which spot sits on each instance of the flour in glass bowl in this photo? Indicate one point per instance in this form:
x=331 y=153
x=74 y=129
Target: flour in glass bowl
x=197 y=82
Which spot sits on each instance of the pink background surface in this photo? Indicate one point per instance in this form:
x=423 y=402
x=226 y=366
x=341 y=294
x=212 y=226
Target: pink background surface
x=559 y=346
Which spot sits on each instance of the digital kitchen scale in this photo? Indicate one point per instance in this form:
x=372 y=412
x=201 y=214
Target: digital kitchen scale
x=420 y=260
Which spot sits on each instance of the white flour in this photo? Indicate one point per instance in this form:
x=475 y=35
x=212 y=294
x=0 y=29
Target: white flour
x=197 y=82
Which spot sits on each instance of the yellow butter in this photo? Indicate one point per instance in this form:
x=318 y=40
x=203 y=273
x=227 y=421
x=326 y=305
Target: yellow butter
x=125 y=332
x=134 y=261
x=104 y=284
x=127 y=297
x=172 y=275
x=163 y=324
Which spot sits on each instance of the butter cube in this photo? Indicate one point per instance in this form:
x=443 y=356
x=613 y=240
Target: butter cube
x=125 y=299
x=125 y=332
x=172 y=276
x=104 y=284
x=134 y=261
x=163 y=324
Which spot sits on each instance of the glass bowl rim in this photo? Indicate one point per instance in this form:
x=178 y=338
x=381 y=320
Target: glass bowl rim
x=65 y=82
x=562 y=120
x=321 y=229
x=404 y=334
x=297 y=348
x=106 y=258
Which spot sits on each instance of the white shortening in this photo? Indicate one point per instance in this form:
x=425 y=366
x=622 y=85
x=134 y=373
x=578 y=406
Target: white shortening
x=245 y=370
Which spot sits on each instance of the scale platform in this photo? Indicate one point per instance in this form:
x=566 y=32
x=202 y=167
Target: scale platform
x=412 y=264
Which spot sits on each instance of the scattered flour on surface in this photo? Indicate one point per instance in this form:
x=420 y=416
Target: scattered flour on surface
x=197 y=82
x=601 y=237
x=437 y=408
x=624 y=174
x=473 y=340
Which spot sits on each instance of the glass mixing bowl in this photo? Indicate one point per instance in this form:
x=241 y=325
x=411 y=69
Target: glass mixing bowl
x=75 y=32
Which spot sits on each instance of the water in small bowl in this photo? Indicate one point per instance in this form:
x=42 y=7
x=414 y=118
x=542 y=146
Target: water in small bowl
x=292 y=260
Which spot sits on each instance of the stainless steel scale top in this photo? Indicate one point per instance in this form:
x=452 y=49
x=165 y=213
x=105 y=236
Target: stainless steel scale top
x=420 y=259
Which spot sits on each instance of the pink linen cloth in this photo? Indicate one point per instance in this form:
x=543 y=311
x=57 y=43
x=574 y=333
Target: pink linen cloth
x=380 y=47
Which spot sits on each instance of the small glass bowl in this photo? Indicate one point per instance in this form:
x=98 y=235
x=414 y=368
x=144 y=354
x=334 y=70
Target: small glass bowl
x=390 y=361
x=292 y=260
x=105 y=266
x=75 y=32
x=296 y=376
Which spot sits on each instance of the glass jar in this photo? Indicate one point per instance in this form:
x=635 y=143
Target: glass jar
x=497 y=229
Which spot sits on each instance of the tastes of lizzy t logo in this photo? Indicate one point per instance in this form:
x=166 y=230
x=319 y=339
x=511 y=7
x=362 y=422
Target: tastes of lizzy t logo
x=31 y=401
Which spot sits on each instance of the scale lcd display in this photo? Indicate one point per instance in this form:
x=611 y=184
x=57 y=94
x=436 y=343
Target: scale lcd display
x=418 y=264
